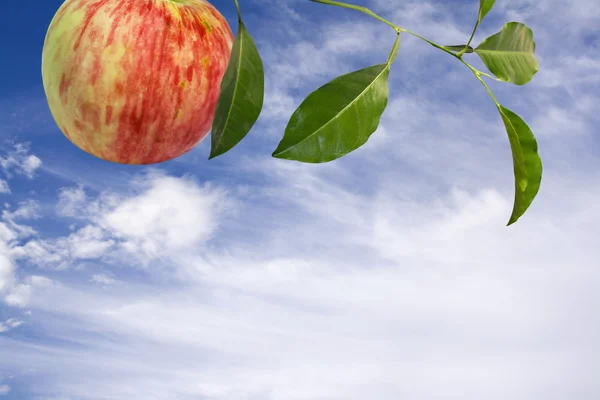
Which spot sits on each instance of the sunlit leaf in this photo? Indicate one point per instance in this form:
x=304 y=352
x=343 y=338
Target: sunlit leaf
x=526 y=161
x=484 y=7
x=509 y=54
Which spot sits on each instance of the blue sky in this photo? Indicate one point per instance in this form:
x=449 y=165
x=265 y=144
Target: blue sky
x=387 y=274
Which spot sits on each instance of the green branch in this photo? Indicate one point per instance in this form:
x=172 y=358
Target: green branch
x=478 y=74
x=358 y=8
x=437 y=46
x=460 y=53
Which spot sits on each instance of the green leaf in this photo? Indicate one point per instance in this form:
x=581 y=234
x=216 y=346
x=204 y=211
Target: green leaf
x=527 y=162
x=241 y=97
x=337 y=118
x=509 y=53
x=459 y=48
x=484 y=7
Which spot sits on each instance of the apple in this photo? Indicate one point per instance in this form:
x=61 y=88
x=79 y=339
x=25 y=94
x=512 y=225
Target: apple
x=135 y=81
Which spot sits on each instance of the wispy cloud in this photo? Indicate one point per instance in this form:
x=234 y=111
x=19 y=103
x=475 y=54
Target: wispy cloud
x=103 y=279
x=161 y=217
x=9 y=324
x=4 y=187
x=20 y=162
x=375 y=287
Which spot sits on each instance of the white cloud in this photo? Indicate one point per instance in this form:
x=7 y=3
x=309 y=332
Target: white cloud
x=6 y=234
x=6 y=269
x=88 y=242
x=9 y=324
x=21 y=293
x=4 y=390
x=4 y=188
x=350 y=295
x=20 y=161
x=10 y=229
x=162 y=217
x=11 y=290
x=14 y=291
x=171 y=214
x=30 y=164
x=27 y=210
x=103 y=279
x=72 y=202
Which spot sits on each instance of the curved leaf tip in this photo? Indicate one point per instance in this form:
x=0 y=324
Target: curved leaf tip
x=526 y=160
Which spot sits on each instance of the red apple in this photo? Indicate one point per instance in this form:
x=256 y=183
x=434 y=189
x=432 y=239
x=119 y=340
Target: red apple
x=135 y=81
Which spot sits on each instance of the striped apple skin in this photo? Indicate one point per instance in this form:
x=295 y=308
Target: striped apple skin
x=135 y=81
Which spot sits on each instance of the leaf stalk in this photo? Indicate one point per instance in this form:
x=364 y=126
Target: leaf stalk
x=460 y=53
x=394 y=51
x=239 y=13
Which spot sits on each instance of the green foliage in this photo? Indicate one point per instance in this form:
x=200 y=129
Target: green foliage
x=527 y=162
x=337 y=118
x=509 y=53
x=484 y=7
x=241 y=97
x=341 y=115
